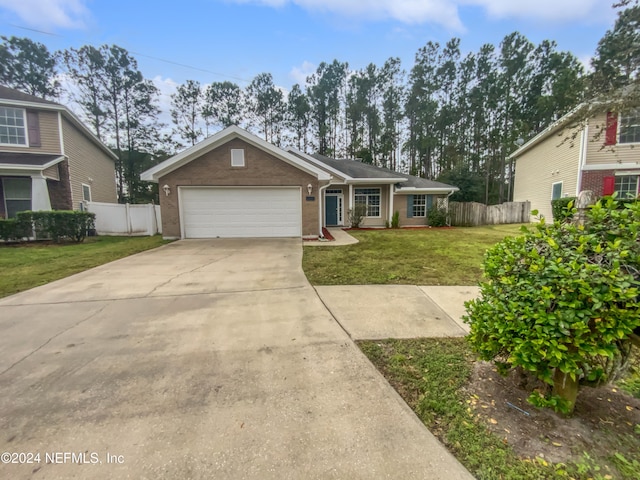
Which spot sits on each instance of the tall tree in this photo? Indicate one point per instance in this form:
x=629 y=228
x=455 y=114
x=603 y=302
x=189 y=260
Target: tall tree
x=391 y=82
x=298 y=115
x=267 y=104
x=186 y=110
x=28 y=66
x=223 y=105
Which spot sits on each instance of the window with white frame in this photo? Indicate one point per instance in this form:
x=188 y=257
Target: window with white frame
x=556 y=191
x=370 y=197
x=626 y=186
x=419 y=205
x=237 y=157
x=13 y=129
x=17 y=195
x=630 y=127
x=86 y=192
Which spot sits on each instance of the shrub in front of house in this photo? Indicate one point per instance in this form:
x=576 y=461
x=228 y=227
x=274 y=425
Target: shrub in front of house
x=437 y=217
x=561 y=209
x=12 y=229
x=356 y=214
x=59 y=225
x=561 y=302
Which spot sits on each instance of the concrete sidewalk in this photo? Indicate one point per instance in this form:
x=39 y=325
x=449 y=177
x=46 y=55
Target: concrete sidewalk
x=398 y=311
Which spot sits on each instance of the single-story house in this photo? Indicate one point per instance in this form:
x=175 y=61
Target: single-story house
x=234 y=184
x=601 y=155
x=48 y=158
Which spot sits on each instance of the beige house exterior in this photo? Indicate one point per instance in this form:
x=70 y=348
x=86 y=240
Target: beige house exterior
x=234 y=184
x=601 y=155
x=49 y=160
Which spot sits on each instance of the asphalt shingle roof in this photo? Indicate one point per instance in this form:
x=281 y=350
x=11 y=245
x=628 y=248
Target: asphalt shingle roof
x=356 y=169
x=26 y=159
x=7 y=93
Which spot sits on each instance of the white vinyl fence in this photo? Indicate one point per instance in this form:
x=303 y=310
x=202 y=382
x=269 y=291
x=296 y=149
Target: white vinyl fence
x=118 y=219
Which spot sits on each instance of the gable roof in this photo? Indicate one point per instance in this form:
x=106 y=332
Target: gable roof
x=220 y=138
x=351 y=171
x=12 y=97
x=354 y=171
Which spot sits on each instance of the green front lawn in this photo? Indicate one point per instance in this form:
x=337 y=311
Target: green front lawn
x=25 y=266
x=449 y=256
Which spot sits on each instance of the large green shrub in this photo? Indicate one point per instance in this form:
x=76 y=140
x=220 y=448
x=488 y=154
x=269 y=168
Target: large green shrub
x=559 y=208
x=437 y=217
x=59 y=224
x=357 y=214
x=561 y=301
x=13 y=229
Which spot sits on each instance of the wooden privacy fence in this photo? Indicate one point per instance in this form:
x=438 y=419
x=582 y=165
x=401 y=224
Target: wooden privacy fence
x=472 y=214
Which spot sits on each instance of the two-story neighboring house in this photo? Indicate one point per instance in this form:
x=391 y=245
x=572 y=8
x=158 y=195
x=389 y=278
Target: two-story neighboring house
x=602 y=156
x=49 y=160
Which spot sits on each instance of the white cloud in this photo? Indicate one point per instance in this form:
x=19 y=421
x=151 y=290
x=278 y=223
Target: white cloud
x=300 y=74
x=446 y=12
x=49 y=13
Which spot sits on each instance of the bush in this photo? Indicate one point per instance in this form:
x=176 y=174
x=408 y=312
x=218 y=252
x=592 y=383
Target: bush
x=395 y=220
x=356 y=214
x=437 y=217
x=561 y=208
x=13 y=229
x=561 y=302
x=59 y=224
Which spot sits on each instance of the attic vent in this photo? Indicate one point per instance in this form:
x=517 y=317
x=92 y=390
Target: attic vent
x=237 y=157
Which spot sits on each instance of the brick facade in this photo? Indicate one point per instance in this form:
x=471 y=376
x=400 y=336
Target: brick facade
x=594 y=179
x=214 y=169
x=60 y=190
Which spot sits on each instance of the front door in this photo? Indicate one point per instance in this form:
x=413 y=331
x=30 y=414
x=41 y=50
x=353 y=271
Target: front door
x=331 y=209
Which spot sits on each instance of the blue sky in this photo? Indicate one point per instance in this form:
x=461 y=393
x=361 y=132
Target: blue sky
x=237 y=39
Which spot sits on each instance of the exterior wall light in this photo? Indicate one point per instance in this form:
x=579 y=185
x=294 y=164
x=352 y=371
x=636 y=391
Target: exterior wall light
x=167 y=189
x=309 y=188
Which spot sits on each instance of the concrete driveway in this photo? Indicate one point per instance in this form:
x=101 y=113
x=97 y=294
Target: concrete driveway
x=201 y=359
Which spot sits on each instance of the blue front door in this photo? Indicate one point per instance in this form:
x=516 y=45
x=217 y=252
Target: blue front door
x=331 y=209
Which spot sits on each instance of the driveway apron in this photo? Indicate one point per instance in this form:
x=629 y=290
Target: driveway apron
x=200 y=359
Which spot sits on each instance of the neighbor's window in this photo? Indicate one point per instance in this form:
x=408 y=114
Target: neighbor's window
x=419 y=205
x=630 y=127
x=369 y=197
x=86 y=193
x=17 y=195
x=12 y=126
x=237 y=157
x=626 y=186
x=556 y=191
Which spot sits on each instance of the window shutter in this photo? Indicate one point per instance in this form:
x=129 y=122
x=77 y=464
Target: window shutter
x=429 y=202
x=409 y=206
x=33 y=125
x=611 y=135
x=608 y=185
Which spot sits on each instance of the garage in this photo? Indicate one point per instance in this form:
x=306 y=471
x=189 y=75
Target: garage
x=228 y=212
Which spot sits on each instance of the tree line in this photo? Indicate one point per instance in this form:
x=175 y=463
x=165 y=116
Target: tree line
x=450 y=117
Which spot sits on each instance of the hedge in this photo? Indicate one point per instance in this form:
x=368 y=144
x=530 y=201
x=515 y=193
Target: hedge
x=58 y=224
x=13 y=229
x=559 y=208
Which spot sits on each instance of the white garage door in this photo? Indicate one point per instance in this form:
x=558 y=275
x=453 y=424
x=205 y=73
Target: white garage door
x=210 y=212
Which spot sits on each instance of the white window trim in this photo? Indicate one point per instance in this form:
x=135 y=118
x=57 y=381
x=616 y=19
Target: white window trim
x=237 y=158
x=414 y=205
x=5 y=198
x=561 y=189
x=618 y=129
x=355 y=194
x=629 y=174
x=90 y=194
x=26 y=130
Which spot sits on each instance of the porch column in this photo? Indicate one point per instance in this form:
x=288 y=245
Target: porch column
x=350 y=203
x=39 y=194
x=390 y=203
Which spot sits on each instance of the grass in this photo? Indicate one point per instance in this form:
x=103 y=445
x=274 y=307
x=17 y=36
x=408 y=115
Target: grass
x=430 y=375
x=25 y=266
x=405 y=256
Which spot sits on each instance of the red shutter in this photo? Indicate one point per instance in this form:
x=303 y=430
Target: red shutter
x=33 y=124
x=611 y=137
x=608 y=185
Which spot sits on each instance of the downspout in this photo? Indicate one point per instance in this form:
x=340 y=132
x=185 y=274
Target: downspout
x=582 y=157
x=320 y=216
x=448 y=217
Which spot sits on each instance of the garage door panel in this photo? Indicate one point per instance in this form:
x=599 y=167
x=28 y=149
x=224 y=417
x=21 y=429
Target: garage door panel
x=241 y=212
